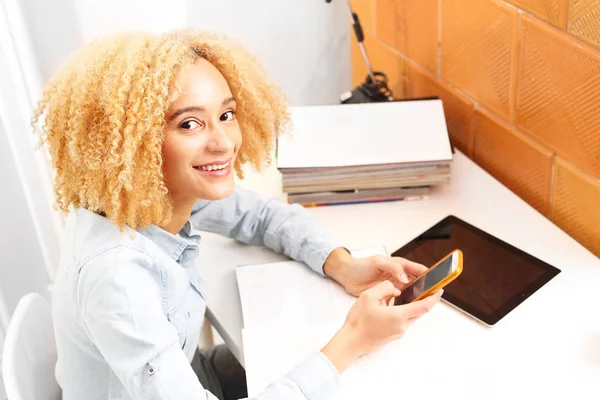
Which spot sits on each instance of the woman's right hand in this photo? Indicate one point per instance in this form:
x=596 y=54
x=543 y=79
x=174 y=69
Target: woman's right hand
x=372 y=322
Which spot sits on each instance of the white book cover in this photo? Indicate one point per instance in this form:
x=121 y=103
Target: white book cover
x=365 y=134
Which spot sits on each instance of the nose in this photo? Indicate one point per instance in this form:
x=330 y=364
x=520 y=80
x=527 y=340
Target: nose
x=221 y=142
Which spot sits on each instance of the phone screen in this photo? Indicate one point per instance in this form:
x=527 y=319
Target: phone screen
x=433 y=276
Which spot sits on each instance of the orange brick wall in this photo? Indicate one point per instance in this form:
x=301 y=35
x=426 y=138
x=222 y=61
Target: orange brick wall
x=520 y=82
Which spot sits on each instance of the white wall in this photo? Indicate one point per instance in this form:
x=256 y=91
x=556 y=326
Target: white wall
x=22 y=264
x=99 y=17
x=303 y=44
x=29 y=230
x=54 y=29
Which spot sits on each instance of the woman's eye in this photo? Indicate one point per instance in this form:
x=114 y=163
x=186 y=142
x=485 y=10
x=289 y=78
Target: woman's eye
x=228 y=116
x=191 y=124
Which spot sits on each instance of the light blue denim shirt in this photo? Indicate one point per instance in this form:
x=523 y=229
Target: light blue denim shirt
x=128 y=306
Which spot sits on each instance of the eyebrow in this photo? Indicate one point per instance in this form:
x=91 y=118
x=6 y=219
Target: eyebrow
x=197 y=108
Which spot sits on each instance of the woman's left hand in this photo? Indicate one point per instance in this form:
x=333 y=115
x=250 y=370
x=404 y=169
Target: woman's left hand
x=358 y=275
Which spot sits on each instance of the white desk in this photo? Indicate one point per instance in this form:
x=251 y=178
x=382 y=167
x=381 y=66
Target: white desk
x=565 y=314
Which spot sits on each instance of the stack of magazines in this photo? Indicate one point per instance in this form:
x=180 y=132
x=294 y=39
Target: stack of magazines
x=340 y=154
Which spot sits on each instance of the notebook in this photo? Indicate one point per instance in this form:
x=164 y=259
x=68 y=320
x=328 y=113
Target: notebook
x=361 y=148
x=410 y=133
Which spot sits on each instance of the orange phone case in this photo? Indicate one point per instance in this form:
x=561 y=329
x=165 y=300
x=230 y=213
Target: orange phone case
x=444 y=281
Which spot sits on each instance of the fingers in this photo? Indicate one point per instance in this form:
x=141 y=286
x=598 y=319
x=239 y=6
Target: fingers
x=400 y=270
x=423 y=306
x=411 y=267
x=381 y=292
x=394 y=268
x=419 y=308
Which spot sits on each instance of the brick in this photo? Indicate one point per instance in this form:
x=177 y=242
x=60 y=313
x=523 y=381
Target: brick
x=584 y=20
x=576 y=204
x=553 y=11
x=558 y=94
x=478 y=50
x=383 y=59
x=457 y=108
x=519 y=163
x=411 y=27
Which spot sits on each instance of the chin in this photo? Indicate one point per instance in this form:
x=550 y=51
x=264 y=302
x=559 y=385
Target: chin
x=216 y=192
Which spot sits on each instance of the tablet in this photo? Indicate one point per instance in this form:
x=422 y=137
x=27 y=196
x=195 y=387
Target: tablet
x=496 y=276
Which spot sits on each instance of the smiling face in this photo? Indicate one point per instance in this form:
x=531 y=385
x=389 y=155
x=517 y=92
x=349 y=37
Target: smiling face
x=202 y=137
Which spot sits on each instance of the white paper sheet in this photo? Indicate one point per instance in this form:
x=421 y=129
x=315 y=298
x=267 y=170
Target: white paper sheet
x=294 y=293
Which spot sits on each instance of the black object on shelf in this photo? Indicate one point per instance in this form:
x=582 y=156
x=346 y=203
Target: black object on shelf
x=375 y=88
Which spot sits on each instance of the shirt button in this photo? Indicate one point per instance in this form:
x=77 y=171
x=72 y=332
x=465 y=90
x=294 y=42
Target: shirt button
x=151 y=370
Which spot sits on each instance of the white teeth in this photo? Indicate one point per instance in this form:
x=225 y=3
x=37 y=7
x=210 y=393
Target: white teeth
x=214 y=167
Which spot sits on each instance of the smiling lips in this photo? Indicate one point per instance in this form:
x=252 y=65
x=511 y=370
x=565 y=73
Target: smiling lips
x=212 y=167
x=216 y=168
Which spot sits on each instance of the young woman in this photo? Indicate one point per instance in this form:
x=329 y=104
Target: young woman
x=145 y=132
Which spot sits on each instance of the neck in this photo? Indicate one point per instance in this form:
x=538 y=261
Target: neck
x=182 y=210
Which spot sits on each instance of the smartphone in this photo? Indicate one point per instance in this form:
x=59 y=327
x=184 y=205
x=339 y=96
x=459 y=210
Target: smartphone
x=439 y=275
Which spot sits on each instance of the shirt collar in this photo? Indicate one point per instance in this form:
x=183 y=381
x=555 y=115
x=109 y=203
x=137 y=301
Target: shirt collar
x=173 y=245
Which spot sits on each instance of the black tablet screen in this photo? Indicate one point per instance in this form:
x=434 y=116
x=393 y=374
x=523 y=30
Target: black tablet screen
x=496 y=276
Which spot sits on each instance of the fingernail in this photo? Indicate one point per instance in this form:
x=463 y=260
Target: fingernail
x=404 y=278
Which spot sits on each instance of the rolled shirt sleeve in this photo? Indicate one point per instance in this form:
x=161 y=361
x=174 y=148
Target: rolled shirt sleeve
x=251 y=218
x=314 y=379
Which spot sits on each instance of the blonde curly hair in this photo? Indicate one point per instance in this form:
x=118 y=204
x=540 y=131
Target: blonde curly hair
x=104 y=119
